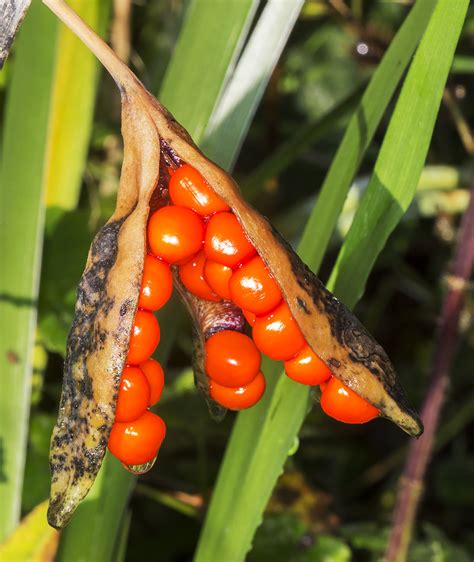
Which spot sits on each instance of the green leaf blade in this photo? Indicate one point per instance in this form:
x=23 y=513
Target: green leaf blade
x=71 y=108
x=263 y=437
x=360 y=133
x=208 y=45
x=40 y=162
x=232 y=116
x=402 y=156
x=21 y=226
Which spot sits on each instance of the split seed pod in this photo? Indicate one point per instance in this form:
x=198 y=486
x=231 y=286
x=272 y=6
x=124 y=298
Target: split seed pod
x=109 y=289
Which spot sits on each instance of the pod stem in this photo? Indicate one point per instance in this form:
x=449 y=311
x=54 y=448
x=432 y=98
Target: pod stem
x=119 y=71
x=445 y=343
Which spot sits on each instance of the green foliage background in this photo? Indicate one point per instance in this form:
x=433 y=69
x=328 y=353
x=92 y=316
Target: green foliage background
x=303 y=149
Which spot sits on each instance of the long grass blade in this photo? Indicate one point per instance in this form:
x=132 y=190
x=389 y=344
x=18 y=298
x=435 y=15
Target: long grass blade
x=263 y=437
x=34 y=168
x=402 y=156
x=208 y=46
x=463 y=64
x=360 y=132
x=33 y=540
x=71 y=109
x=21 y=225
x=299 y=142
x=95 y=521
x=236 y=108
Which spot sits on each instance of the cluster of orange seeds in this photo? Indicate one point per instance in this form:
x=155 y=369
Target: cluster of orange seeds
x=200 y=235
x=137 y=434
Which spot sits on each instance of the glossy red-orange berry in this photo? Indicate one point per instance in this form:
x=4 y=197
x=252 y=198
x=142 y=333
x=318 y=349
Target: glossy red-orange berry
x=324 y=384
x=225 y=240
x=138 y=441
x=133 y=396
x=157 y=284
x=307 y=368
x=188 y=188
x=253 y=288
x=232 y=359
x=343 y=404
x=217 y=276
x=175 y=233
x=192 y=276
x=277 y=334
x=153 y=371
x=144 y=338
x=238 y=398
x=249 y=316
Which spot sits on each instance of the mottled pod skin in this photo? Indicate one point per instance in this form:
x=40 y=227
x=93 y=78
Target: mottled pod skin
x=108 y=294
x=98 y=341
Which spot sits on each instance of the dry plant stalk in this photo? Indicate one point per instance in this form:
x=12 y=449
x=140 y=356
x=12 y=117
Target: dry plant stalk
x=420 y=452
x=109 y=289
x=11 y=16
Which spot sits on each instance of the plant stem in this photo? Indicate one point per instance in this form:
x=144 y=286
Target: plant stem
x=460 y=121
x=420 y=451
x=117 y=69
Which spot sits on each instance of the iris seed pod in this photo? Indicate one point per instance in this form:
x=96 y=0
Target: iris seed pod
x=109 y=288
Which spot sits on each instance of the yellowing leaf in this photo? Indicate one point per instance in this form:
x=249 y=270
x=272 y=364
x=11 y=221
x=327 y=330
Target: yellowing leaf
x=33 y=540
x=70 y=117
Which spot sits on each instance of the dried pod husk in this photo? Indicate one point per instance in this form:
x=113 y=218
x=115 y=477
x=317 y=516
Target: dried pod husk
x=12 y=14
x=108 y=294
x=98 y=342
